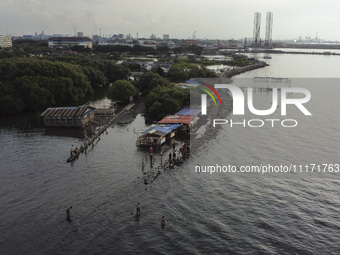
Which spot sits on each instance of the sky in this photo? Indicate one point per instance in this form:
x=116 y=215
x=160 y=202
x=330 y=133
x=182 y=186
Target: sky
x=212 y=19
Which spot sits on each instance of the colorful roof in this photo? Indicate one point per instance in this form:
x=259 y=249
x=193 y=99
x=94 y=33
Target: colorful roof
x=177 y=119
x=67 y=111
x=189 y=111
x=160 y=130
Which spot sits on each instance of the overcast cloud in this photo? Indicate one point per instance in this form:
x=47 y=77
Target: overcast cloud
x=213 y=19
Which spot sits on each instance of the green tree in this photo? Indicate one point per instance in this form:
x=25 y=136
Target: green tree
x=163 y=49
x=195 y=49
x=150 y=80
x=95 y=76
x=164 y=100
x=158 y=70
x=122 y=90
x=177 y=74
x=155 y=109
x=10 y=105
x=35 y=84
x=115 y=72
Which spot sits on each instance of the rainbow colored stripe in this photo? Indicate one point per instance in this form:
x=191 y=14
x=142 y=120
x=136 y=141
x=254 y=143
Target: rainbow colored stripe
x=209 y=93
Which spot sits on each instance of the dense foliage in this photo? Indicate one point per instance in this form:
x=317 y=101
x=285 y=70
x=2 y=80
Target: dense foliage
x=195 y=49
x=122 y=90
x=28 y=84
x=33 y=84
x=150 y=80
x=34 y=76
x=100 y=72
x=164 y=97
x=182 y=70
x=164 y=100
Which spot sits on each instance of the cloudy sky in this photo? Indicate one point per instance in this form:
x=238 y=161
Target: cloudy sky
x=213 y=19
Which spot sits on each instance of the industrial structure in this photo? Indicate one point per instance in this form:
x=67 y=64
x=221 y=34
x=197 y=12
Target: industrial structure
x=257 y=42
x=269 y=28
x=257 y=28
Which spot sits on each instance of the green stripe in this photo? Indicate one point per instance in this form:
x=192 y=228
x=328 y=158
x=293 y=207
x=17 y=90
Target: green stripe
x=209 y=95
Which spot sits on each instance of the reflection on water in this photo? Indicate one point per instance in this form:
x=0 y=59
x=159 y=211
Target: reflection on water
x=70 y=132
x=25 y=121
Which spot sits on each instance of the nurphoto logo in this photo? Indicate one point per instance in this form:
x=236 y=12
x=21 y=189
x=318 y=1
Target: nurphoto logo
x=239 y=105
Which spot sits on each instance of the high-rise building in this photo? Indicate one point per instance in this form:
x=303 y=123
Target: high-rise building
x=5 y=41
x=166 y=37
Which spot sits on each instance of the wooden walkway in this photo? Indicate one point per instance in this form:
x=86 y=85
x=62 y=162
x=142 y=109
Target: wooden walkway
x=91 y=140
x=270 y=79
x=259 y=88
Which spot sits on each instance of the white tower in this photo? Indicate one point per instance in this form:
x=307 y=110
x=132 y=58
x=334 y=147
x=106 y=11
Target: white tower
x=257 y=26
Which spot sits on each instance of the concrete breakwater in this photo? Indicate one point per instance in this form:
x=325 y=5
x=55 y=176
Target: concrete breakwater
x=239 y=70
x=326 y=52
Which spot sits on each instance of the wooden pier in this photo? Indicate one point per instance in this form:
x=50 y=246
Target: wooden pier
x=90 y=141
x=259 y=88
x=271 y=79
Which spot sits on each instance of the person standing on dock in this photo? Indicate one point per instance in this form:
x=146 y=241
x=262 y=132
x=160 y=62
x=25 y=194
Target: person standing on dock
x=161 y=156
x=151 y=149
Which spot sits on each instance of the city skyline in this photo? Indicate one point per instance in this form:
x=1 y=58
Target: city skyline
x=215 y=19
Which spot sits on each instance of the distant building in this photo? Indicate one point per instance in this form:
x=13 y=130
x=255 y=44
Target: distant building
x=70 y=41
x=129 y=37
x=80 y=34
x=150 y=43
x=166 y=37
x=96 y=38
x=192 y=43
x=68 y=116
x=5 y=41
x=28 y=37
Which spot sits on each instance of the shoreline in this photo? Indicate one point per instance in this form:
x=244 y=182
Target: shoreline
x=236 y=71
x=325 y=52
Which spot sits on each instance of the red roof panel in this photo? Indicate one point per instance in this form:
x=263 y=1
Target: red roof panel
x=177 y=119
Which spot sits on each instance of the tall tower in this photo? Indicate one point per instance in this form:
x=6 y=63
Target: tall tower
x=257 y=26
x=269 y=27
